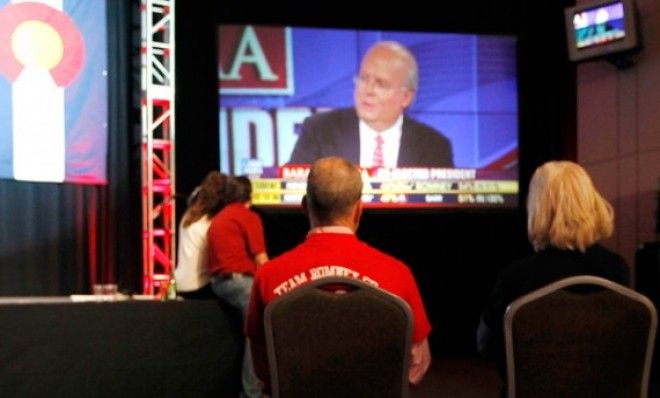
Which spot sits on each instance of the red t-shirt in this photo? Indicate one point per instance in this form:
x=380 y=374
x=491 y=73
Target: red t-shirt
x=235 y=236
x=325 y=255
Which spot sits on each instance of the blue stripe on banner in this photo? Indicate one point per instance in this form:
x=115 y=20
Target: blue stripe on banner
x=86 y=98
x=6 y=158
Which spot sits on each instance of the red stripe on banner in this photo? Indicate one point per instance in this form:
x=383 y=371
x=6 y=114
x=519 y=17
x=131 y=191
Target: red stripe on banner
x=12 y=15
x=504 y=162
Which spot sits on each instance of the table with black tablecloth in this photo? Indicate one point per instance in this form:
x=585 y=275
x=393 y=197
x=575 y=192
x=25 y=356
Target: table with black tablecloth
x=119 y=349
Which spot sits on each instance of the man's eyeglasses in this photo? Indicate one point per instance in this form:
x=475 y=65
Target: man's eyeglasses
x=380 y=86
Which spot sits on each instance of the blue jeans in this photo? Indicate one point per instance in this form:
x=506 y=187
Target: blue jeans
x=236 y=292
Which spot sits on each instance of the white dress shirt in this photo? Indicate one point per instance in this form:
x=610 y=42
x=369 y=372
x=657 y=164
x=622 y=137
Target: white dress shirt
x=391 y=141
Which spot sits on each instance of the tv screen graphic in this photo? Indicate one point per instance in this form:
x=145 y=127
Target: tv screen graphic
x=271 y=79
x=600 y=25
x=601 y=29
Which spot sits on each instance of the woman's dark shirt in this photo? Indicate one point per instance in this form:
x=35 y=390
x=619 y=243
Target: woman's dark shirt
x=531 y=273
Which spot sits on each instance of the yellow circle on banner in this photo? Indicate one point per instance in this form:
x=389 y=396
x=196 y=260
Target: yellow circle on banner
x=36 y=43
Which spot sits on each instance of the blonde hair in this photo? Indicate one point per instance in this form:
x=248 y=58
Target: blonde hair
x=407 y=58
x=564 y=209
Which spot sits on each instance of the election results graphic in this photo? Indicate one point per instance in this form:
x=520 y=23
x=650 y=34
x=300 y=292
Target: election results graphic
x=53 y=91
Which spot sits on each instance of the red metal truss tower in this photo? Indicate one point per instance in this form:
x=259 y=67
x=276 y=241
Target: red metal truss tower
x=158 y=182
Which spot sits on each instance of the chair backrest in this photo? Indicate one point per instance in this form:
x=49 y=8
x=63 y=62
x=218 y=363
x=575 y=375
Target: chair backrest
x=351 y=342
x=582 y=336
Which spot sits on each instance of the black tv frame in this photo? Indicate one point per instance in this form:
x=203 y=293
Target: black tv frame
x=615 y=50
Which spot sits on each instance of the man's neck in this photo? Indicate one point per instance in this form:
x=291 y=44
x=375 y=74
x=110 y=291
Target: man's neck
x=379 y=127
x=331 y=229
x=343 y=223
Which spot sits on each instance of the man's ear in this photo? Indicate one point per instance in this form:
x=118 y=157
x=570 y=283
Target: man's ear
x=408 y=97
x=357 y=214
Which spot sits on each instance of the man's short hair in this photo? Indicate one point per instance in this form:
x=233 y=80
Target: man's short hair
x=238 y=189
x=334 y=185
x=564 y=209
x=412 y=80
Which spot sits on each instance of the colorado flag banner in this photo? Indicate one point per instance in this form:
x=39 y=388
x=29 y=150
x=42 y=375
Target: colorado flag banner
x=53 y=91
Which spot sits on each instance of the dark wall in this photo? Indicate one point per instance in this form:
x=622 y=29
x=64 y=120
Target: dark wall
x=197 y=128
x=454 y=255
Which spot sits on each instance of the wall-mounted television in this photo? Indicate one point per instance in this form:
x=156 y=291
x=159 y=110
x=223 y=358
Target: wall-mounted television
x=272 y=78
x=600 y=29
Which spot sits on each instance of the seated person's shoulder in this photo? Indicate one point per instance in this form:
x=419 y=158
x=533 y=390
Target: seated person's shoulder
x=426 y=131
x=333 y=116
x=602 y=253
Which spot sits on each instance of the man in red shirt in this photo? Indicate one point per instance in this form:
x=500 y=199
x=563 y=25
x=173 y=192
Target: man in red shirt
x=235 y=249
x=333 y=207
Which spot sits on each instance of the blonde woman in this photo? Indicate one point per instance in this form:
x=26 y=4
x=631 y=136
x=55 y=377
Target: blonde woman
x=566 y=218
x=191 y=274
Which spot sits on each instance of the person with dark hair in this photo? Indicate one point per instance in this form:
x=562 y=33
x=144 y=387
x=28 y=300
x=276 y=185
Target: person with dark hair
x=333 y=206
x=236 y=247
x=566 y=218
x=375 y=132
x=191 y=273
x=239 y=189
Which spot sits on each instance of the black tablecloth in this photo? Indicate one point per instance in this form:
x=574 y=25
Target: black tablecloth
x=120 y=349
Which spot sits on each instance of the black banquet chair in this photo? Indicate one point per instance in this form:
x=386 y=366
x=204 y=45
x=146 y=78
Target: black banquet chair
x=338 y=337
x=582 y=336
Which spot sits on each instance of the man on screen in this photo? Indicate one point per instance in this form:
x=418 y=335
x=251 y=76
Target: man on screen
x=375 y=133
x=333 y=206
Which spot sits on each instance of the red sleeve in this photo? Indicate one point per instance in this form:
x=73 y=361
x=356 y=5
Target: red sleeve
x=254 y=329
x=255 y=235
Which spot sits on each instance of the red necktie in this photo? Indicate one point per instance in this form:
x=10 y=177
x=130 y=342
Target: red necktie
x=378 y=153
